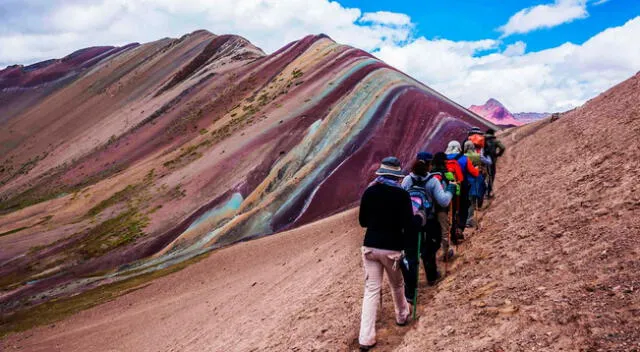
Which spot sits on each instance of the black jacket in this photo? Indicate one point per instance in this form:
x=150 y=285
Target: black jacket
x=387 y=214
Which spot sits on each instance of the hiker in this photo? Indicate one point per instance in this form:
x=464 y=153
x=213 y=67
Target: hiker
x=477 y=186
x=454 y=152
x=493 y=149
x=426 y=192
x=386 y=213
x=476 y=136
x=444 y=215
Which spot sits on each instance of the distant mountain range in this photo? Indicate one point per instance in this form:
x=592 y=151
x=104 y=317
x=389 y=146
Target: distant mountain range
x=495 y=112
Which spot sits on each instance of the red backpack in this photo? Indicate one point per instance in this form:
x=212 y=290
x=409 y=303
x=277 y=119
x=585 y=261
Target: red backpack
x=453 y=167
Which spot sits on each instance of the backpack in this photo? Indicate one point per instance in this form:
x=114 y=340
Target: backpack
x=453 y=167
x=421 y=202
x=478 y=140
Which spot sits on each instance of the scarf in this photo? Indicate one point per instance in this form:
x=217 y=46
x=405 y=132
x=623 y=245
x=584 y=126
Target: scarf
x=386 y=181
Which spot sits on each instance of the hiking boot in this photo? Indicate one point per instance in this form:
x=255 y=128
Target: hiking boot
x=435 y=282
x=406 y=321
x=446 y=257
x=366 y=347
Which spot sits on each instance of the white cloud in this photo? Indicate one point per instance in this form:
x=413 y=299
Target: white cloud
x=545 y=16
x=469 y=72
x=385 y=17
x=555 y=79
x=516 y=49
x=268 y=23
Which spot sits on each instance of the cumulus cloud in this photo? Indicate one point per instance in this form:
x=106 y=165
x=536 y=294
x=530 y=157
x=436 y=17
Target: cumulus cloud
x=30 y=33
x=554 y=79
x=515 y=49
x=545 y=16
x=469 y=72
x=385 y=17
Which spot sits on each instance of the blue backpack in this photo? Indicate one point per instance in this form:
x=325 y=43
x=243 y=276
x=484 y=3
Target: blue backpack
x=420 y=200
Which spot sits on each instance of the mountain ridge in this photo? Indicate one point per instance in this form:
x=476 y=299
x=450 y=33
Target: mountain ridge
x=496 y=112
x=176 y=147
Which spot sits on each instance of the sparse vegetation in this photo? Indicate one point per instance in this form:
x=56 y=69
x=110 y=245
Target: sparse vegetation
x=14 y=231
x=177 y=192
x=296 y=73
x=110 y=234
x=59 y=309
x=116 y=198
x=126 y=194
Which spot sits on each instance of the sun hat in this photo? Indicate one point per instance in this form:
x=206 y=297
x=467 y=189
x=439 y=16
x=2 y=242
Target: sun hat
x=469 y=147
x=453 y=147
x=475 y=130
x=390 y=166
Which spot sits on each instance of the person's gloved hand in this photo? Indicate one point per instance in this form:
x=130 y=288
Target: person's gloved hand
x=451 y=188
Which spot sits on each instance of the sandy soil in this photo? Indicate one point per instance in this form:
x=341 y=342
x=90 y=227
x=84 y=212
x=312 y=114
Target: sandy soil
x=554 y=267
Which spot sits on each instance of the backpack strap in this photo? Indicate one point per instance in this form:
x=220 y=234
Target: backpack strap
x=418 y=183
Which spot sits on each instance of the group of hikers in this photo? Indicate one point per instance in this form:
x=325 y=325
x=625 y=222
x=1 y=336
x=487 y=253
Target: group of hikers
x=408 y=217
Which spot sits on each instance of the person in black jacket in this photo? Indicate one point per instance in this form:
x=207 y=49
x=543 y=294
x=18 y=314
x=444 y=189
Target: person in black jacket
x=387 y=214
x=493 y=149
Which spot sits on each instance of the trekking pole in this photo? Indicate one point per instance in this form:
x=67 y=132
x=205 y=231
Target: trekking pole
x=475 y=214
x=415 y=291
x=446 y=254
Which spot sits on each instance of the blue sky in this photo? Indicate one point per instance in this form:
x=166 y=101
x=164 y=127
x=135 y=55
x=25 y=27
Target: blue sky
x=544 y=55
x=480 y=19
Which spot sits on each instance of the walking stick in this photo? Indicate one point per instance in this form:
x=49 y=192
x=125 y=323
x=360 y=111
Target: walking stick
x=475 y=214
x=446 y=254
x=415 y=292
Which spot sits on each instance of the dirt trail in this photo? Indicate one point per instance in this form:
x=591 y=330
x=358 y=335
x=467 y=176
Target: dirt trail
x=556 y=264
x=554 y=267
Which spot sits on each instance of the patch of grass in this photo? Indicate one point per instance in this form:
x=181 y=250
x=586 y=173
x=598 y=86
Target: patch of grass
x=14 y=231
x=188 y=155
x=110 y=234
x=297 y=73
x=48 y=189
x=28 y=198
x=116 y=198
x=58 y=309
x=127 y=194
x=44 y=220
x=177 y=192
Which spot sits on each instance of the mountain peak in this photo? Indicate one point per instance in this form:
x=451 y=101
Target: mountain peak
x=493 y=102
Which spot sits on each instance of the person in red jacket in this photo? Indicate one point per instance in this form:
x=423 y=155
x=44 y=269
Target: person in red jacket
x=454 y=152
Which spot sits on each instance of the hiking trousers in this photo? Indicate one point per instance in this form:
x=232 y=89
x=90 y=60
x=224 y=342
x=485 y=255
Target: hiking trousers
x=430 y=245
x=463 y=210
x=492 y=176
x=377 y=261
x=445 y=228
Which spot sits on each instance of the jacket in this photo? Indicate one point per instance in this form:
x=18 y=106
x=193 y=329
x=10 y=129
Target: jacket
x=387 y=214
x=465 y=164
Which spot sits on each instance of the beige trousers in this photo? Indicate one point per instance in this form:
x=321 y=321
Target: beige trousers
x=445 y=227
x=376 y=261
